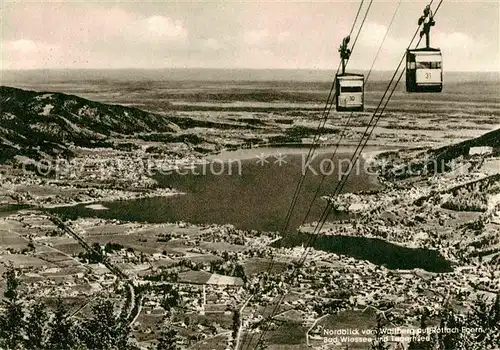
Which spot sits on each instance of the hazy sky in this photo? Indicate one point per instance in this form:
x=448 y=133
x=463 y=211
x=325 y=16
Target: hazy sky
x=243 y=34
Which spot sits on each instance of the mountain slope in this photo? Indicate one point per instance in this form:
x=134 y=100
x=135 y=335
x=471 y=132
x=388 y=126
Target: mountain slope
x=448 y=153
x=33 y=123
x=399 y=165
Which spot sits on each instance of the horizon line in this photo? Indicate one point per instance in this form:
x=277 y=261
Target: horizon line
x=221 y=68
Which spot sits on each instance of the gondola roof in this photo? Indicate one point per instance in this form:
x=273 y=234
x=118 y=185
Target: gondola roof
x=350 y=75
x=424 y=49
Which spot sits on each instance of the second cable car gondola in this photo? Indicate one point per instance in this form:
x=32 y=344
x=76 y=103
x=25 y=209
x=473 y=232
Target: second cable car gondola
x=350 y=92
x=424 y=66
x=349 y=87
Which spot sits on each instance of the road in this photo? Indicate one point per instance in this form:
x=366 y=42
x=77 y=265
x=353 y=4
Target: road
x=240 y=328
x=134 y=317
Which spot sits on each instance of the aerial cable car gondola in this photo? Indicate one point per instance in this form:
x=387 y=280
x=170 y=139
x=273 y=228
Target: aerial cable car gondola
x=349 y=88
x=424 y=66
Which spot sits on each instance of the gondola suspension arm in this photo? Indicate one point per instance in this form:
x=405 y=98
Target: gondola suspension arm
x=426 y=29
x=345 y=52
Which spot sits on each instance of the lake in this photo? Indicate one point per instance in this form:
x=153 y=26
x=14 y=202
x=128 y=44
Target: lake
x=375 y=250
x=8 y=209
x=252 y=190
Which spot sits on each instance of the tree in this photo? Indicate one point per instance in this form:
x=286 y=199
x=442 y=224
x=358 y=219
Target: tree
x=12 y=282
x=236 y=323
x=261 y=345
x=98 y=332
x=424 y=343
x=94 y=256
x=171 y=297
x=105 y=330
x=36 y=327
x=485 y=316
x=495 y=311
x=61 y=329
x=11 y=323
x=123 y=341
x=167 y=340
x=239 y=271
x=379 y=342
x=449 y=321
x=110 y=247
x=39 y=331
